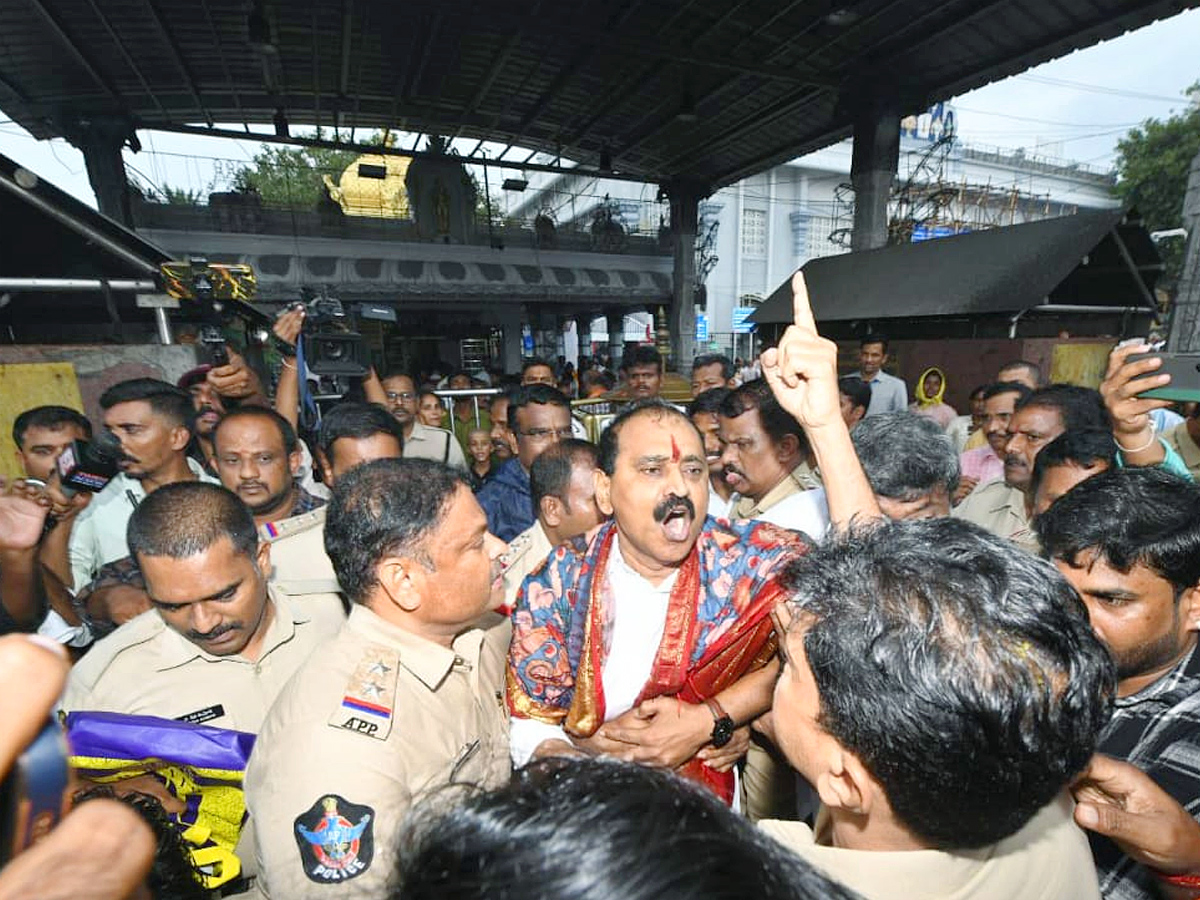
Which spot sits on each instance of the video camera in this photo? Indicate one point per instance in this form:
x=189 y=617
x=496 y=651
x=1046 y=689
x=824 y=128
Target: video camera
x=332 y=346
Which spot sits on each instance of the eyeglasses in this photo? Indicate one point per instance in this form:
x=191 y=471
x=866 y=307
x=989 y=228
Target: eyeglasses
x=541 y=434
x=404 y=398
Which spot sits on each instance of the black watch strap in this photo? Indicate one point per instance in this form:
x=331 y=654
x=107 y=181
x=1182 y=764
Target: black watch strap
x=723 y=726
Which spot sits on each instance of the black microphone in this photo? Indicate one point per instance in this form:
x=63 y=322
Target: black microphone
x=89 y=465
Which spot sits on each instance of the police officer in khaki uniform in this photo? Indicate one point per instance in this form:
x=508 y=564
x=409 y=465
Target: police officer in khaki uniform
x=407 y=698
x=351 y=434
x=219 y=645
x=563 y=490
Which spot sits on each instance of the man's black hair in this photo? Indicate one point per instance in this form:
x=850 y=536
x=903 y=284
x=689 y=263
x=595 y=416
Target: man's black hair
x=641 y=355
x=534 y=361
x=186 y=518
x=1085 y=449
x=1034 y=370
x=54 y=418
x=594 y=829
x=527 y=394
x=287 y=434
x=1129 y=516
x=905 y=456
x=356 y=420
x=166 y=400
x=1007 y=387
x=712 y=359
x=172 y=875
x=605 y=379
x=873 y=338
x=610 y=439
x=709 y=402
x=1079 y=407
x=776 y=421
x=856 y=389
x=383 y=508
x=971 y=684
x=550 y=474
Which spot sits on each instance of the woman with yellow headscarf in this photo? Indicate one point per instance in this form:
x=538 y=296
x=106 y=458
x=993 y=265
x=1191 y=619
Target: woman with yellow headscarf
x=929 y=393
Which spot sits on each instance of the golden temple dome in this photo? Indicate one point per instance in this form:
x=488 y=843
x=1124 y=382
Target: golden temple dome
x=373 y=185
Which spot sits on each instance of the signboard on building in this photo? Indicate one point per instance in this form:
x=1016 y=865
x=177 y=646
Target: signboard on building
x=930 y=126
x=701 y=327
x=741 y=316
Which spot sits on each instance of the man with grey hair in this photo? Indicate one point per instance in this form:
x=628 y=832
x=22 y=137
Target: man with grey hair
x=910 y=463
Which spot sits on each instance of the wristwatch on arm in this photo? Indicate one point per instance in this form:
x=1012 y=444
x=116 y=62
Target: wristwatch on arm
x=723 y=725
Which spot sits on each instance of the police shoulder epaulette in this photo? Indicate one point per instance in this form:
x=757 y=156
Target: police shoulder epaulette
x=273 y=531
x=367 y=703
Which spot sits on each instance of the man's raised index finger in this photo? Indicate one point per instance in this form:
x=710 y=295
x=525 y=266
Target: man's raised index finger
x=802 y=314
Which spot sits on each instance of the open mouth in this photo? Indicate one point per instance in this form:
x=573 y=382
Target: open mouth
x=677 y=523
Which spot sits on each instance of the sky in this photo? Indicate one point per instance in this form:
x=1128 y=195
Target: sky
x=1074 y=108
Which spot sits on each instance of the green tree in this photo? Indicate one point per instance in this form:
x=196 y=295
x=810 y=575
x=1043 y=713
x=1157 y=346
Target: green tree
x=288 y=176
x=1152 y=172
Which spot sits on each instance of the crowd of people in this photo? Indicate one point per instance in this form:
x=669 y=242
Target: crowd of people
x=796 y=639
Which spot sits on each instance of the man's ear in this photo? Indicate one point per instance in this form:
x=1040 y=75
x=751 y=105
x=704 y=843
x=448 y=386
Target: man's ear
x=262 y=557
x=603 y=491
x=323 y=466
x=181 y=436
x=295 y=459
x=1189 y=605
x=402 y=580
x=550 y=510
x=846 y=784
x=788 y=448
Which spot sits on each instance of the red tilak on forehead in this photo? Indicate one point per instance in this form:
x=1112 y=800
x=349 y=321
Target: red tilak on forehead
x=674 y=450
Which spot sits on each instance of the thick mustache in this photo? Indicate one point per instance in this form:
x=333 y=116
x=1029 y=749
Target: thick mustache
x=733 y=470
x=674 y=504
x=1011 y=460
x=211 y=635
x=246 y=485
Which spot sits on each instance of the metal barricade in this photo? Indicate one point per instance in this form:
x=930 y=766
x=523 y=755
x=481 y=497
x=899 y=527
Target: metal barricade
x=448 y=397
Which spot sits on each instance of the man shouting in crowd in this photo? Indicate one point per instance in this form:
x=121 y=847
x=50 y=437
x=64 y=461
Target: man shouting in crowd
x=654 y=641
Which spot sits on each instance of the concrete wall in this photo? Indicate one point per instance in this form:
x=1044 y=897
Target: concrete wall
x=99 y=366
x=970 y=363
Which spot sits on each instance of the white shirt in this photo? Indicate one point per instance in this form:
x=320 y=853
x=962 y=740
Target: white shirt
x=806 y=511
x=718 y=506
x=639 y=618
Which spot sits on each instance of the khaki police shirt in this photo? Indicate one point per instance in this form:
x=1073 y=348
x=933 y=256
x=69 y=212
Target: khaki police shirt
x=1048 y=859
x=1001 y=510
x=526 y=552
x=299 y=564
x=437 y=444
x=146 y=668
x=374 y=719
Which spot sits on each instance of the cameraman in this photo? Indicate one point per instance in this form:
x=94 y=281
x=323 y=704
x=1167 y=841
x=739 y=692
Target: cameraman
x=152 y=421
x=287 y=329
x=214 y=391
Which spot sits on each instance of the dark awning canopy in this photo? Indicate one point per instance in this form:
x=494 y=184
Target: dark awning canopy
x=63 y=263
x=53 y=235
x=1102 y=259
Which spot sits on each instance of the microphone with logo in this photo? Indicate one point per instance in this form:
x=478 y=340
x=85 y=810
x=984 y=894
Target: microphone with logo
x=89 y=465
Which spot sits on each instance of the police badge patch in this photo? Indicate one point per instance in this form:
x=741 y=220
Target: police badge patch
x=336 y=840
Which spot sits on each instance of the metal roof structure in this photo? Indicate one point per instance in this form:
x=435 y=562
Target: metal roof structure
x=1094 y=262
x=703 y=91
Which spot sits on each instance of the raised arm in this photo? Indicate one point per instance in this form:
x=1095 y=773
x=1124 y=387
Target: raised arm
x=802 y=372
